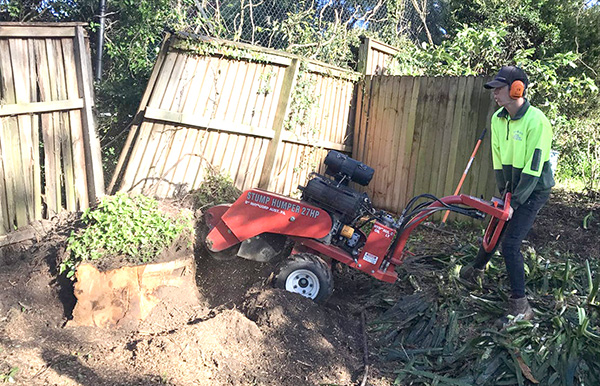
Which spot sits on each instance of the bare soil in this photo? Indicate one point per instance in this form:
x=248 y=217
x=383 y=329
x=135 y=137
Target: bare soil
x=244 y=332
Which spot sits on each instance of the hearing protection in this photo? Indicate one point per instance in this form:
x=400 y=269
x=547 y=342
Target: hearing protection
x=517 y=88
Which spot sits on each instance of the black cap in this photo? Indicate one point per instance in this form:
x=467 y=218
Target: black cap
x=506 y=76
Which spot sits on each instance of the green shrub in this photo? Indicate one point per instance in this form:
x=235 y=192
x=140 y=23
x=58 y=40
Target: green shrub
x=133 y=227
x=216 y=189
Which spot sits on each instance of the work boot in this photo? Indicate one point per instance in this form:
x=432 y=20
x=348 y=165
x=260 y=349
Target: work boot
x=518 y=309
x=471 y=277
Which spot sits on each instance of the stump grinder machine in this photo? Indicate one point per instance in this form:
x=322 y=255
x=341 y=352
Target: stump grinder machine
x=332 y=222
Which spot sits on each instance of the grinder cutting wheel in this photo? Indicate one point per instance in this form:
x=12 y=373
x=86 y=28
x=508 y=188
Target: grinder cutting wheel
x=327 y=224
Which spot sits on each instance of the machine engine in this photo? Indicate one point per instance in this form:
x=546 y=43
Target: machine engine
x=345 y=205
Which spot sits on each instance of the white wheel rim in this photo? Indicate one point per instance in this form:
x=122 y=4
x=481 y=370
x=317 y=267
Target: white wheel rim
x=303 y=282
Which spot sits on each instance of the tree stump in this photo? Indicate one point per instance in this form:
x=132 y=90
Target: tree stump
x=129 y=294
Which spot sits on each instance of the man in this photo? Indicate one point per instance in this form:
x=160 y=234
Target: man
x=521 y=140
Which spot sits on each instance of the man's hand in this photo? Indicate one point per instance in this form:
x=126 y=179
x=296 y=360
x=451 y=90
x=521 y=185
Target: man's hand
x=510 y=212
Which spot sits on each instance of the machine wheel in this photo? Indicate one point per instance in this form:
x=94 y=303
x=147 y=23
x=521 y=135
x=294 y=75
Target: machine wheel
x=306 y=274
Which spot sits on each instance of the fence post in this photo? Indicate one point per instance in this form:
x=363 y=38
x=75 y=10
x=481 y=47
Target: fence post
x=363 y=56
x=92 y=144
x=283 y=106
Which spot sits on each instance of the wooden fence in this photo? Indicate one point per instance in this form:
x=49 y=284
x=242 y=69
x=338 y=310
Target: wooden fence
x=49 y=152
x=418 y=134
x=375 y=57
x=264 y=117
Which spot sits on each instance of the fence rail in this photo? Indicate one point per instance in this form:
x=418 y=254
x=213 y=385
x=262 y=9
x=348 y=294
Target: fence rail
x=49 y=153
x=262 y=116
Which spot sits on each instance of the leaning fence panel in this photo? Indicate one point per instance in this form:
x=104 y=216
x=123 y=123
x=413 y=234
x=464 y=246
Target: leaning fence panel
x=261 y=116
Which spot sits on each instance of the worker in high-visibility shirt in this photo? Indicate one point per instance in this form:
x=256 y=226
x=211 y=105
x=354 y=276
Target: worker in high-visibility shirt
x=521 y=140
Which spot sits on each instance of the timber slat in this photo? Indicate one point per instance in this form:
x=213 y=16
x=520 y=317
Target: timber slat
x=9 y=138
x=78 y=149
x=53 y=133
x=20 y=64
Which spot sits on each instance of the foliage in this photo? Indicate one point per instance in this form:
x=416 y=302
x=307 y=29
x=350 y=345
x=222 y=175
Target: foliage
x=122 y=225
x=216 y=189
x=9 y=376
x=445 y=334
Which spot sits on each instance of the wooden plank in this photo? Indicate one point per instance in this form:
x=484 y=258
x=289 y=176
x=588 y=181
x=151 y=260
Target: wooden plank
x=345 y=107
x=199 y=121
x=472 y=135
x=464 y=144
x=47 y=128
x=20 y=62
x=195 y=139
x=271 y=99
x=10 y=142
x=27 y=108
x=244 y=162
x=329 y=70
x=185 y=137
x=388 y=146
x=259 y=160
x=75 y=121
x=5 y=223
x=452 y=87
x=372 y=139
x=291 y=74
x=396 y=110
x=405 y=85
x=134 y=130
x=54 y=175
x=32 y=31
x=236 y=160
x=144 y=132
x=364 y=51
x=410 y=139
x=335 y=134
x=246 y=52
x=171 y=158
x=196 y=166
x=161 y=134
x=228 y=93
x=64 y=131
x=385 y=136
x=438 y=123
x=247 y=77
x=95 y=176
x=450 y=184
x=363 y=103
x=259 y=99
x=35 y=134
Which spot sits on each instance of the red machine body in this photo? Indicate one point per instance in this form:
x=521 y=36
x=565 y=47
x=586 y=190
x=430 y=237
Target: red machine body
x=258 y=212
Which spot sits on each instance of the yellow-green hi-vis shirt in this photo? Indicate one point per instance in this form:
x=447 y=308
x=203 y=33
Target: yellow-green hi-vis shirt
x=521 y=152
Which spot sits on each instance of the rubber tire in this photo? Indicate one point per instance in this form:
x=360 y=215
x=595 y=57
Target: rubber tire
x=312 y=263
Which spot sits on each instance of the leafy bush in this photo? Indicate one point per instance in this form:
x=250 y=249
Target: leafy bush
x=122 y=225
x=215 y=189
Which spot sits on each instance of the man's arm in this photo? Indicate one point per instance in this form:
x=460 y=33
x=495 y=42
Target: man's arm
x=538 y=143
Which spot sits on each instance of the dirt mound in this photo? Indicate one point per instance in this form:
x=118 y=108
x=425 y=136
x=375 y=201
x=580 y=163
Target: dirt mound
x=242 y=332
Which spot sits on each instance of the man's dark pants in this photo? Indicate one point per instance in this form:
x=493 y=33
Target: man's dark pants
x=516 y=230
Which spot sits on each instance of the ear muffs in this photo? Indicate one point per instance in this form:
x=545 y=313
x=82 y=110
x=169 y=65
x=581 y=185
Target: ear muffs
x=517 y=88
